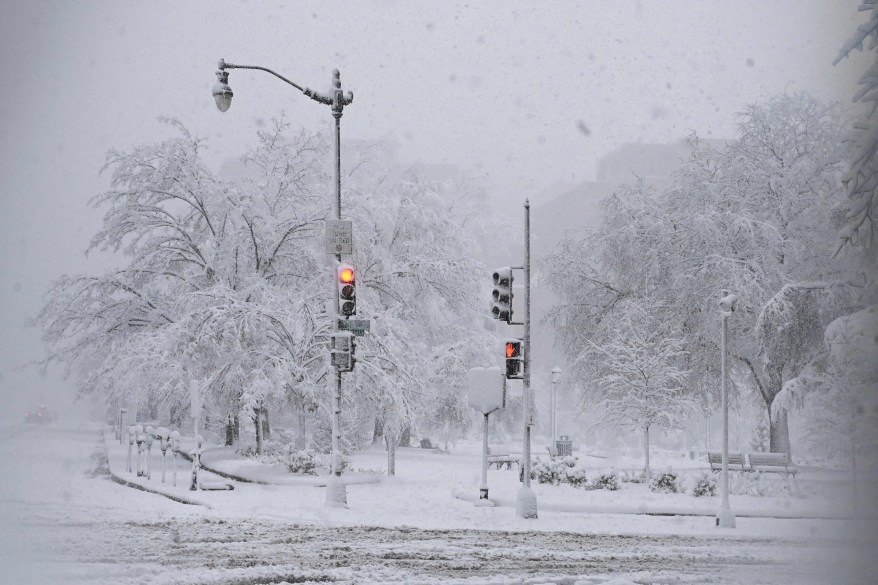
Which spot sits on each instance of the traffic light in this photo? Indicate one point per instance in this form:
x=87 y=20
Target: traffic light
x=342 y=351
x=512 y=353
x=502 y=295
x=347 y=292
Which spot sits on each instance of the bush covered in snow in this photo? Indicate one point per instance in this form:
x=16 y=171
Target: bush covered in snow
x=704 y=485
x=545 y=472
x=573 y=475
x=558 y=471
x=607 y=480
x=665 y=482
x=304 y=462
x=767 y=485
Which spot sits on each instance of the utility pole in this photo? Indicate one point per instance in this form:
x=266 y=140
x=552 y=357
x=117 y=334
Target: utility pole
x=526 y=504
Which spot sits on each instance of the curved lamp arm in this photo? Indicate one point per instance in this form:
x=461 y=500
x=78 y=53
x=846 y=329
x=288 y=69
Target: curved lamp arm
x=314 y=95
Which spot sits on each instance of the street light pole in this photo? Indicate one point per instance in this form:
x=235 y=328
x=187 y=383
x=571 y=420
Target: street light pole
x=121 y=412
x=526 y=503
x=556 y=376
x=336 y=494
x=725 y=518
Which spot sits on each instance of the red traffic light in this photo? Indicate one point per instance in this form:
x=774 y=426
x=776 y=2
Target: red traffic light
x=512 y=349
x=346 y=275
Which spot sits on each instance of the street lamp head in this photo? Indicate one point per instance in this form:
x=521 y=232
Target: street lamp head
x=556 y=375
x=728 y=304
x=222 y=93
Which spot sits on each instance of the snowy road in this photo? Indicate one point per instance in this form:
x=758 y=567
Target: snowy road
x=64 y=521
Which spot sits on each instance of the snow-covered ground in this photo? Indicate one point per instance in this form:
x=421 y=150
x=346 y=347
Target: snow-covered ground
x=63 y=521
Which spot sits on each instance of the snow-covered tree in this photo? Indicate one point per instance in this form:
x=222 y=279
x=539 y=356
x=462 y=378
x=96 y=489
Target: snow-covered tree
x=838 y=392
x=752 y=217
x=636 y=377
x=224 y=283
x=861 y=218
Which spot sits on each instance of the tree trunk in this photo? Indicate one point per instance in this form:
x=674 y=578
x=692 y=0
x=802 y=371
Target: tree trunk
x=301 y=442
x=378 y=432
x=778 y=429
x=230 y=430
x=391 y=454
x=258 y=423
x=646 y=452
x=779 y=433
x=853 y=447
x=266 y=428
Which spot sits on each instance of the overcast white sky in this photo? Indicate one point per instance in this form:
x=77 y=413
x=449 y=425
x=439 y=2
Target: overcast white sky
x=502 y=88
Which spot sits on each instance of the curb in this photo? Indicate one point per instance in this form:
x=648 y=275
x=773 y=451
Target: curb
x=644 y=511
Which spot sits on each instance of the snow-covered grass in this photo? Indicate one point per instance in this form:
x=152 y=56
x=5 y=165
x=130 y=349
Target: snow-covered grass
x=435 y=490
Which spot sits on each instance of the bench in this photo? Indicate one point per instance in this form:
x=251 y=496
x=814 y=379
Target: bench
x=499 y=456
x=772 y=463
x=736 y=461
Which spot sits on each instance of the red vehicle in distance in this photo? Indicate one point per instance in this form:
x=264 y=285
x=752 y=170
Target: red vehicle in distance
x=40 y=414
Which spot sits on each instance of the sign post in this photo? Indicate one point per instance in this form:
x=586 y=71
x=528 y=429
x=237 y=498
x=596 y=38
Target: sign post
x=487 y=393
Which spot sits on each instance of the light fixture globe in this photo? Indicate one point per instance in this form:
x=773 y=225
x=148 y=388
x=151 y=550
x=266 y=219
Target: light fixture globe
x=222 y=93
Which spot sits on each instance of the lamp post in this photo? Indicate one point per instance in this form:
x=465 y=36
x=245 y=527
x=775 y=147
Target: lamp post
x=725 y=518
x=121 y=412
x=336 y=494
x=556 y=376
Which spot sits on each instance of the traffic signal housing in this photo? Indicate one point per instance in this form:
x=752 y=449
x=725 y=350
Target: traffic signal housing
x=343 y=350
x=347 y=291
x=514 y=358
x=501 y=297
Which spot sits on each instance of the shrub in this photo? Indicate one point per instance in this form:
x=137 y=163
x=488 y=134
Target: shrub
x=303 y=462
x=665 y=482
x=572 y=475
x=545 y=472
x=705 y=485
x=607 y=480
x=765 y=485
x=426 y=444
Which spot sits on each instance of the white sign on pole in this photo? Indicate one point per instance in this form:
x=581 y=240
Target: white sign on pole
x=487 y=389
x=339 y=237
x=195 y=398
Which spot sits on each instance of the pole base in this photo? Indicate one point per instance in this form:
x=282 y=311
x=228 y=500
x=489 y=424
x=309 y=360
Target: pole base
x=336 y=492
x=483 y=500
x=725 y=518
x=526 y=503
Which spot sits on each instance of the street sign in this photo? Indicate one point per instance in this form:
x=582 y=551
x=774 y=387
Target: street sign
x=339 y=237
x=487 y=389
x=358 y=327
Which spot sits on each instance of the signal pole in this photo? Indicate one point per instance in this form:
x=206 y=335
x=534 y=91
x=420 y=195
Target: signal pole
x=527 y=500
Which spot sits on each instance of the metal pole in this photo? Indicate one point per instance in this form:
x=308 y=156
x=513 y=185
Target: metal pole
x=527 y=499
x=483 y=489
x=554 y=403
x=336 y=494
x=725 y=518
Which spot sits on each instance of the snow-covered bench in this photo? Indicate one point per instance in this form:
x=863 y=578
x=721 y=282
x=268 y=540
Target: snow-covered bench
x=736 y=461
x=772 y=462
x=499 y=456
